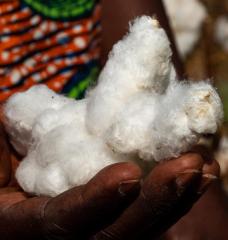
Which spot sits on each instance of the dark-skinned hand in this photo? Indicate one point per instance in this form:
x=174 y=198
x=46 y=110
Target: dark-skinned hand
x=208 y=219
x=115 y=204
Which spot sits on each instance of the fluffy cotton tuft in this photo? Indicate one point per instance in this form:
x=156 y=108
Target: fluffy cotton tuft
x=23 y=109
x=143 y=56
x=186 y=17
x=138 y=111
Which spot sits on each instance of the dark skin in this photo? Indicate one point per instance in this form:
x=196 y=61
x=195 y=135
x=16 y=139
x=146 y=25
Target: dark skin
x=206 y=220
x=116 y=203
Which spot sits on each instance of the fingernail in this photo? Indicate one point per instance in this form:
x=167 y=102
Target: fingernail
x=184 y=178
x=129 y=187
x=207 y=180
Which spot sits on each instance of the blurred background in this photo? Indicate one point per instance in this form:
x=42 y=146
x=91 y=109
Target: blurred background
x=201 y=33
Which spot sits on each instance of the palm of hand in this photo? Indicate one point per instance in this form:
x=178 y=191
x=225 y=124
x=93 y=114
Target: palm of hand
x=37 y=217
x=112 y=205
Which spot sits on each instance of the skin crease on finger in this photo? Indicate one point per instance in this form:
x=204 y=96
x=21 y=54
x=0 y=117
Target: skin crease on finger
x=208 y=217
x=158 y=192
x=167 y=194
x=162 y=177
x=21 y=221
x=85 y=205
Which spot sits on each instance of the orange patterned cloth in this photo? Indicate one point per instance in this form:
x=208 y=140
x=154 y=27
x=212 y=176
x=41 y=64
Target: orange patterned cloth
x=62 y=52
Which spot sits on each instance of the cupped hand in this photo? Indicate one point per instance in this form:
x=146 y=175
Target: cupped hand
x=80 y=212
x=115 y=204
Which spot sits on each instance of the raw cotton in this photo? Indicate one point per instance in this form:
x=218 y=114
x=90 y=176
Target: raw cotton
x=186 y=18
x=137 y=112
x=222 y=157
x=221 y=32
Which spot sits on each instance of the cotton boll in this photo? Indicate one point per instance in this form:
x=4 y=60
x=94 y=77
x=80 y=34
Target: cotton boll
x=147 y=42
x=203 y=108
x=27 y=173
x=173 y=76
x=186 y=42
x=39 y=180
x=138 y=111
x=170 y=132
x=143 y=127
x=135 y=63
x=67 y=157
x=23 y=108
x=221 y=32
x=162 y=126
x=92 y=155
x=186 y=17
x=51 y=181
x=180 y=10
x=131 y=130
x=186 y=111
x=44 y=123
x=222 y=158
x=58 y=140
x=222 y=155
x=52 y=118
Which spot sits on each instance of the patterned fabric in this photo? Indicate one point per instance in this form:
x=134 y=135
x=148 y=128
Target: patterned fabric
x=55 y=42
x=58 y=9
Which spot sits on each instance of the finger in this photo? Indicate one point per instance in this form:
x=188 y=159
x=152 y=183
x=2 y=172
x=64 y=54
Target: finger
x=210 y=170
x=210 y=174
x=20 y=218
x=88 y=209
x=76 y=212
x=5 y=162
x=193 y=225
x=8 y=190
x=162 y=201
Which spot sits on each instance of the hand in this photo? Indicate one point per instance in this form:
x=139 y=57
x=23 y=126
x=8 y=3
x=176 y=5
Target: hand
x=208 y=219
x=113 y=205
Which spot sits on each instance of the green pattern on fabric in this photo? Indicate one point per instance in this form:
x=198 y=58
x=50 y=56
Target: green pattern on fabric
x=83 y=85
x=58 y=9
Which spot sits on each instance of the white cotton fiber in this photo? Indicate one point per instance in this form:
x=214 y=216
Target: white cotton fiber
x=186 y=18
x=143 y=56
x=24 y=108
x=137 y=112
x=67 y=156
x=222 y=155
